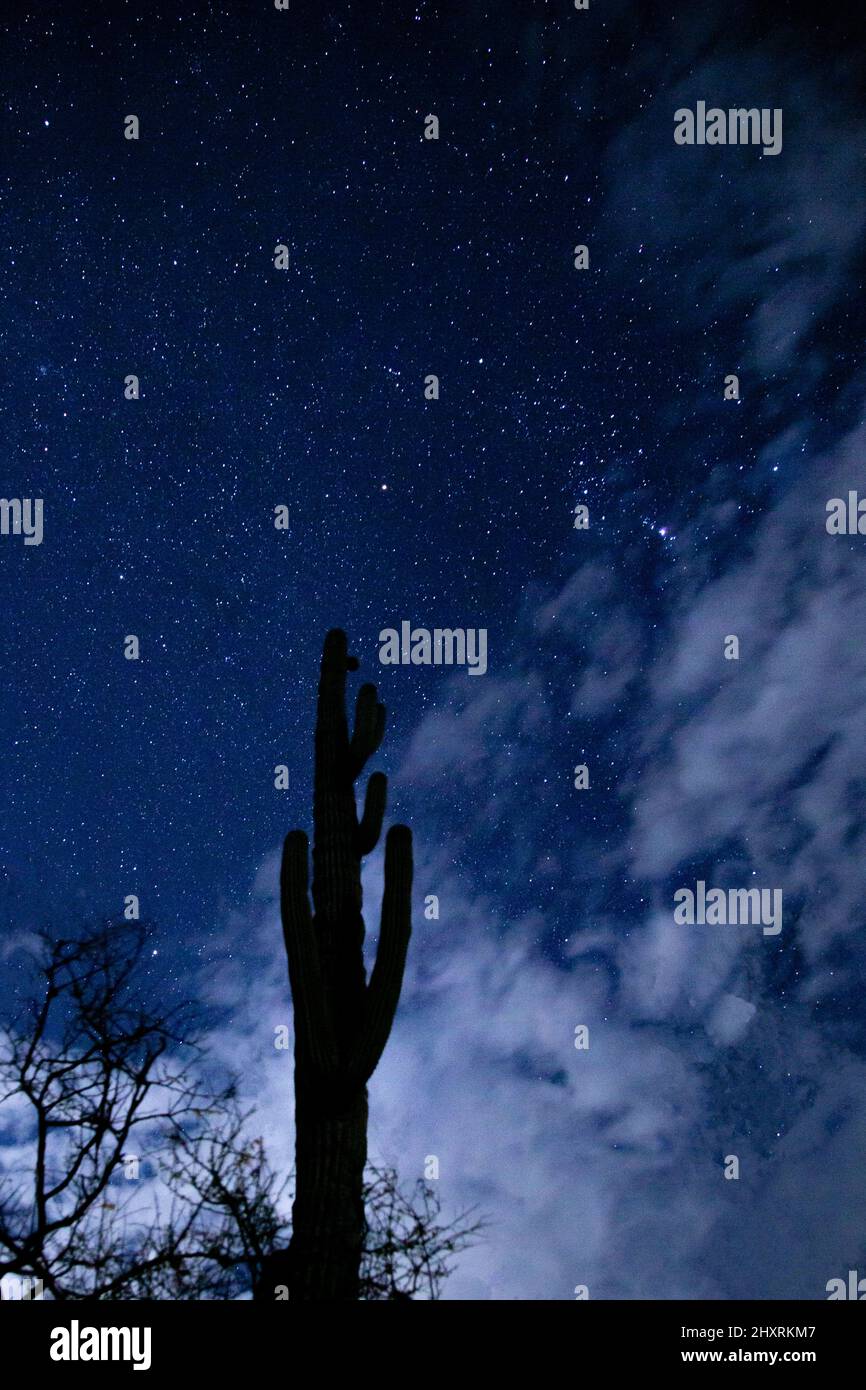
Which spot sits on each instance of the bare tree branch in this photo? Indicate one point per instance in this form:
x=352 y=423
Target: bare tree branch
x=88 y=1070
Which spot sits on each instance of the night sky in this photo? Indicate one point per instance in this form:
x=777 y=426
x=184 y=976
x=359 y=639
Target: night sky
x=605 y=386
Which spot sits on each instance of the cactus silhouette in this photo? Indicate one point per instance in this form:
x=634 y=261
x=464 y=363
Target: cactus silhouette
x=342 y=1021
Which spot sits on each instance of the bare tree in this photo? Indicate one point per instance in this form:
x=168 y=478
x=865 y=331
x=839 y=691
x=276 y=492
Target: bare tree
x=90 y=1076
x=92 y=1080
x=408 y=1251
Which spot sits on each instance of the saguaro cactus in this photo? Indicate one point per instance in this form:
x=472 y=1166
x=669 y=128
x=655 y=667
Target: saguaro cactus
x=342 y=1021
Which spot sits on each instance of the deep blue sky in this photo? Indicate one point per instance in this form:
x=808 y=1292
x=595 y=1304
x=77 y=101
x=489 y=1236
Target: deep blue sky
x=454 y=257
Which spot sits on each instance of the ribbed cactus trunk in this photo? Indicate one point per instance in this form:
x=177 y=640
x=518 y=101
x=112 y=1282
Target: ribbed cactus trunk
x=342 y=1022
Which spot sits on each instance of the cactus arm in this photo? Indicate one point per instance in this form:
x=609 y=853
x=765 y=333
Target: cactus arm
x=375 y=800
x=383 y=991
x=369 y=729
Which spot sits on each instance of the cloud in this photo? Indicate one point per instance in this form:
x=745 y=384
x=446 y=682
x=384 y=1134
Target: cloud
x=767 y=754
x=752 y=767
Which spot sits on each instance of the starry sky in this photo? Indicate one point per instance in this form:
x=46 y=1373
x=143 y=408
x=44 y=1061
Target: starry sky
x=305 y=388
